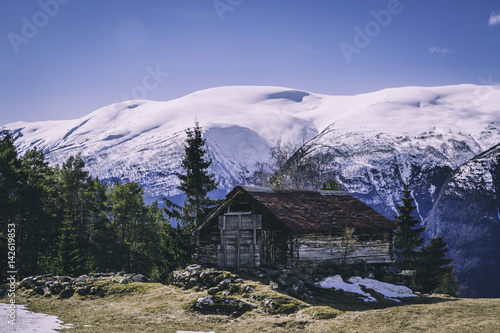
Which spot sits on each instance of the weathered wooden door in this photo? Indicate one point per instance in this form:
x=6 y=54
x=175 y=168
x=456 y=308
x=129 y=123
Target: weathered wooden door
x=239 y=246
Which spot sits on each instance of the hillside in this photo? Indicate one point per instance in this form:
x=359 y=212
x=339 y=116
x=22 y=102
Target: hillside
x=152 y=307
x=468 y=213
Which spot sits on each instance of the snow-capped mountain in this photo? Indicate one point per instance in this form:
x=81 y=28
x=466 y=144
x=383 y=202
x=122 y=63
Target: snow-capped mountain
x=372 y=142
x=142 y=140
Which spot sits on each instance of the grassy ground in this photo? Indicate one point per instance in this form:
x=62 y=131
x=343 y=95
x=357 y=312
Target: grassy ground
x=140 y=307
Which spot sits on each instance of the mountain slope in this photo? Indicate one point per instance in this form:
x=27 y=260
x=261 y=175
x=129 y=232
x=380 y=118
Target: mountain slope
x=467 y=213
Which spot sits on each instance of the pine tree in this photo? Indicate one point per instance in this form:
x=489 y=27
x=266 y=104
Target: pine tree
x=73 y=185
x=102 y=244
x=434 y=271
x=128 y=216
x=196 y=183
x=69 y=260
x=38 y=226
x=9 y=199
x=407 y=239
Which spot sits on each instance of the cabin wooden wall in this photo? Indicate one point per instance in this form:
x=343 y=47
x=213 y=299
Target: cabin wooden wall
x=322 y=249
x=206 y=245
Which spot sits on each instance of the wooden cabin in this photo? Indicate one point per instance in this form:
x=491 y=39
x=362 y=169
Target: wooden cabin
x=264 y=227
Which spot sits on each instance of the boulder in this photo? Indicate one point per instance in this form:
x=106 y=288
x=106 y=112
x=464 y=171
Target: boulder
x=139 y=278
x=67 y=292
x=55 y=288
x=64 y=279
x=213 y=291
x=123 y=281
x=39 y=290
x=83 y=291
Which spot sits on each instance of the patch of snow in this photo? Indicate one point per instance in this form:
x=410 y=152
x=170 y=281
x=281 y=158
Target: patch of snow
x=338 y=283
x=27 y=321
x=390 y=291
x=432 y=189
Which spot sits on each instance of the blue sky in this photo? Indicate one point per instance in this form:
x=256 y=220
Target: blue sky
x=62 y=59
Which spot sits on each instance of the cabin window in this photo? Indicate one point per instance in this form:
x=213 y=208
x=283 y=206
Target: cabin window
x=244 y=207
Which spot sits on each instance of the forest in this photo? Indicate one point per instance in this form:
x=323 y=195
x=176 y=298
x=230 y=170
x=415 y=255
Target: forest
x=61 y=220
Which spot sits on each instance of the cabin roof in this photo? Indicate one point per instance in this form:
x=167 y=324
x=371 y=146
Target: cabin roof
x=310 y=211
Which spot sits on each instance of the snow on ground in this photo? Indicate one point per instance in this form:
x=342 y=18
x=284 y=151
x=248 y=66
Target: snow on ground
x=390 y=291
x=27 y=321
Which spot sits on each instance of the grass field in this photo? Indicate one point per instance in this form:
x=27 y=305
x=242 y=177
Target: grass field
x=151 y=307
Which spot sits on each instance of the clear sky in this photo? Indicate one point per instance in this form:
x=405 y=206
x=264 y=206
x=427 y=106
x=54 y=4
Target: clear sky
x=62 y=59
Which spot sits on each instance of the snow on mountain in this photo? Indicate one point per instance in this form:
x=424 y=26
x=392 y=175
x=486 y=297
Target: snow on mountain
x=142 y=140
x=467 y=214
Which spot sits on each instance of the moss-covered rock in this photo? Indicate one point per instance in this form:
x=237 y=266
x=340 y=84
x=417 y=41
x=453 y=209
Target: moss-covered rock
x=219 y=305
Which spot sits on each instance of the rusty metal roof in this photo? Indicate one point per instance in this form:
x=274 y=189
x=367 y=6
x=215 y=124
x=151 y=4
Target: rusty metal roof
x=309 y=211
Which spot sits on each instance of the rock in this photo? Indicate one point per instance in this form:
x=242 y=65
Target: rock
x=123 y=281
x=140 y=278
x=83 y=278
x=63 y=279
x=194 y=267
x=27 y=282
x=39 y=281
x=38 y=290
x=67 y=292
x=274 y=285
x=55 y=288
x=83 y=291
x=247 y=289
x=98 y=291
x=213 y=291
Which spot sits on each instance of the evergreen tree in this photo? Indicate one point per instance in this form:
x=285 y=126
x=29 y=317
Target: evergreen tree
x=73 y=187
x=407 y=239
x=196 y=183
x=434 y=271
x=39 y=224
x=69 y=259
x=101 y=240
x=128 y=215
x=9 y=199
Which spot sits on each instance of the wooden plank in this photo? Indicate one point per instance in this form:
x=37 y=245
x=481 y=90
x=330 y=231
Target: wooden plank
x=251 y=256
x=238 y=248
x=220 y=256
